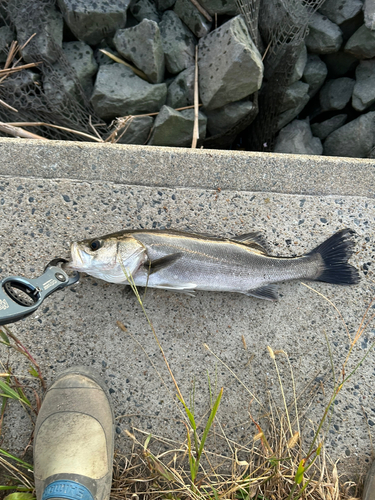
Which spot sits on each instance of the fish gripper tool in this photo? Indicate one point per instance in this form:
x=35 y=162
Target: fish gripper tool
x=20 y=297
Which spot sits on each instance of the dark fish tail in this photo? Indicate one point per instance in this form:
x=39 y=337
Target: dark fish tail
x=335 y=253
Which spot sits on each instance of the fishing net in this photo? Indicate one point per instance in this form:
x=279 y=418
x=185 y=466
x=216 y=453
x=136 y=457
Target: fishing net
x=282 y=26
x=39 y=95
x=277 y=27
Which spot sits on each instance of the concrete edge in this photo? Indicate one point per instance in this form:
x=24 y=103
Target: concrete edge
x=183 y=168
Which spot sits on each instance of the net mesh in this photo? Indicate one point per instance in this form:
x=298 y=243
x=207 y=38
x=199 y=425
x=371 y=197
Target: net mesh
x=40 y=96
x=277 y=27
x=283 y=26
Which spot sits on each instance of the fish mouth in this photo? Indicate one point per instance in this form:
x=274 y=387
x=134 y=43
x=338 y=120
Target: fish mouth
x=76 y=262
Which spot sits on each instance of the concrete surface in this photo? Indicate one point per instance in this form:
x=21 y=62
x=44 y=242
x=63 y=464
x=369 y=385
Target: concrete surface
x=54 y=192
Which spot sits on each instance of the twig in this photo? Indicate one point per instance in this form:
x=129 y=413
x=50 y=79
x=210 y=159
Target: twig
x=94 y=129
x=201 y=10
x=7 y=106
x=43 y=124
x=265 y=52
x=9 y=71
x=120 y=123
x=27 y=41
x=14 y=47
x=12 y=51
x=18 y=49
x=121 y=61
x=19 y=132
x=196 y=98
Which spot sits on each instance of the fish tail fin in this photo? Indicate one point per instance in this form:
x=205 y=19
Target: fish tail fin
x=335 y=253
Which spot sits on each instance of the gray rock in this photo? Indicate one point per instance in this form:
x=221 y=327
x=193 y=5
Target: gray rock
x=324 y=36
x=369 y=11
x=48 y=27
x=230 y=66
x=350 y=26
x=221 y=120
x=339 y=11
x=294 y=95
x=144 y=9
x=137 y=132
x=119 y=92
x=300 y=65
x=296 y=138
x=323 y=129
x=142 y=45
x=165 y=4
x=335 y=94
x=81 y=57
x=290 y=114
x=220 y=7
x=178 y=43
x=175 y=128
x=362 y=43
x=6 y=38
x=189 y=114
x=314 y=74
x=340 y=63
x=355 y=139
x=93 y=20
x=193 y=19
x=181 y=90
x=364 y=88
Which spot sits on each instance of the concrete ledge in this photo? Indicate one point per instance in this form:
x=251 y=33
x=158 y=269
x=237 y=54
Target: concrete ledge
x=179 y=167
x=54 y=192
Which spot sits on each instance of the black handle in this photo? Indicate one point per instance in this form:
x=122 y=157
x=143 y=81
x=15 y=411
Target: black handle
x=20 y=297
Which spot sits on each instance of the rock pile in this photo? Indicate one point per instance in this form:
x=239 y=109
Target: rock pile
x=159 y=39
x=328 y=106
x=339 y=119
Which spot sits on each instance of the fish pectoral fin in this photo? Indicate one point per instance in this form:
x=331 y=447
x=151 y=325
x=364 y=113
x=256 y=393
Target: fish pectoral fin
x=267 y=292
x=156 y=265
x=253 y=240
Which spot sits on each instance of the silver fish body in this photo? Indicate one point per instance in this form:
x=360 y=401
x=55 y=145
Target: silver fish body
x=187 y=262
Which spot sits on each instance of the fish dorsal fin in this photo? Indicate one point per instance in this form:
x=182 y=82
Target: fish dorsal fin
x=267 y=292
x=158 y=264
x=254 y=240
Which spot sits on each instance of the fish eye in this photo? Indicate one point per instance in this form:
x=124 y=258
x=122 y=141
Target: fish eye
x=95 y=245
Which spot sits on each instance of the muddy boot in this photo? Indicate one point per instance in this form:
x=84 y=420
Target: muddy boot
x=74 y=439
x=369 y=489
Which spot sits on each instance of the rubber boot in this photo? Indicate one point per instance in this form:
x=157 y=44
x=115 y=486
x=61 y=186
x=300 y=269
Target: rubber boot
x=74 y=439
x=369 y=489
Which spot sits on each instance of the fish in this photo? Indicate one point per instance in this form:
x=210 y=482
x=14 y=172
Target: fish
x=186 y=262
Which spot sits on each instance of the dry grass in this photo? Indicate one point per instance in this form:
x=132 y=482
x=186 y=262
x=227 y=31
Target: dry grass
x=279 y=462
x=263 y=469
